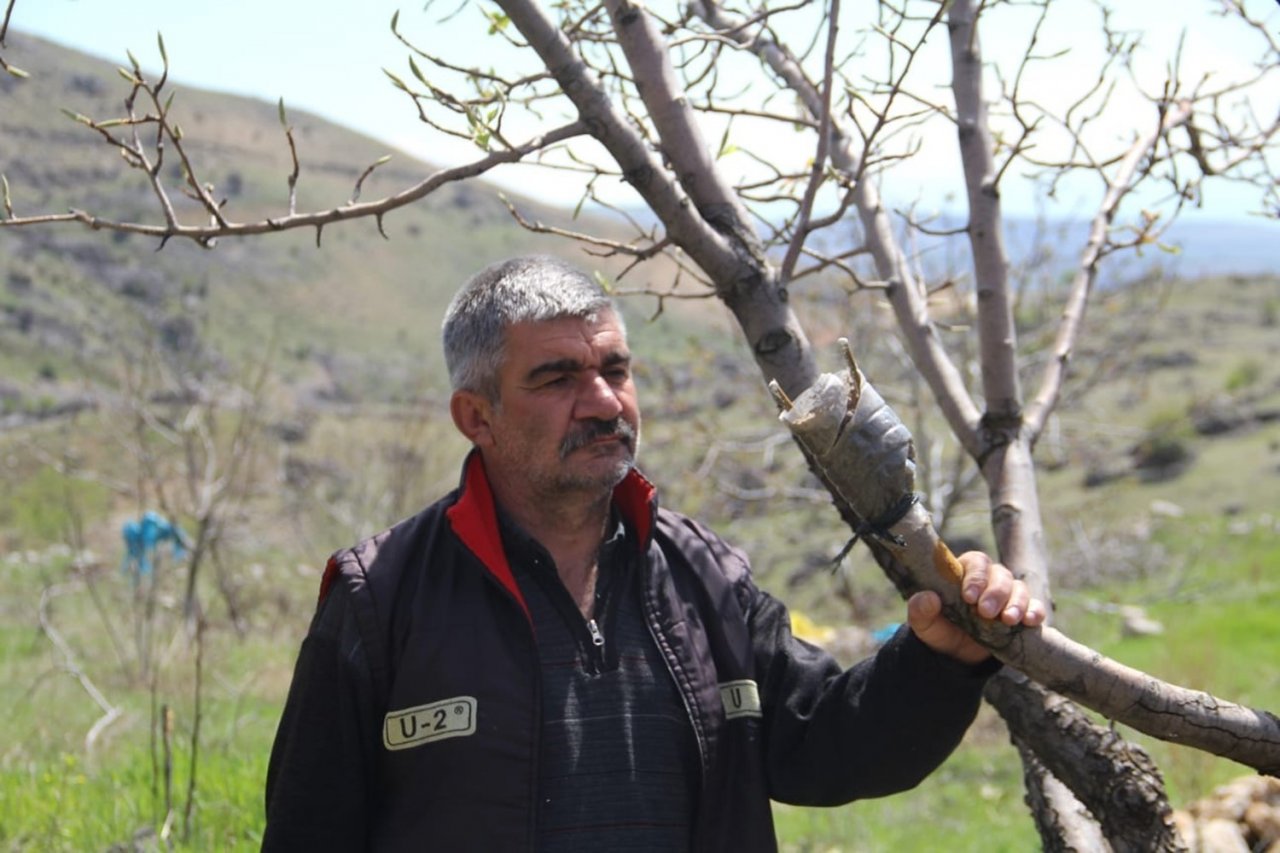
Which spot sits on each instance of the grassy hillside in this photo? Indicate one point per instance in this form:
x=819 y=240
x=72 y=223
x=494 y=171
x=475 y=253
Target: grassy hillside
x=357 y=311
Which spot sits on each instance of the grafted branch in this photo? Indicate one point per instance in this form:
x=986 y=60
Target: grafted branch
x=866 y=456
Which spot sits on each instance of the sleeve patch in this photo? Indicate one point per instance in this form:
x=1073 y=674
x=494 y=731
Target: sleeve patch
x=740 y=698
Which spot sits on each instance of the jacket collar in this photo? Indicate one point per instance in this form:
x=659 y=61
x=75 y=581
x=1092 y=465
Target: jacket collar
x=474 y=518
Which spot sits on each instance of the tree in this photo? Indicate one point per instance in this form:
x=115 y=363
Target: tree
x=639 y=88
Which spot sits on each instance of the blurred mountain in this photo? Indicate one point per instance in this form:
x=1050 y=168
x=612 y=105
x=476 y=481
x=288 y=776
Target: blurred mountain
x=354 y=316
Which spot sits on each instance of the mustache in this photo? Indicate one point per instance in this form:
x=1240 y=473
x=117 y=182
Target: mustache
x=588 y=431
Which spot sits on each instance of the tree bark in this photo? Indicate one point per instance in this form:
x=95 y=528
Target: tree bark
x=1116 y=781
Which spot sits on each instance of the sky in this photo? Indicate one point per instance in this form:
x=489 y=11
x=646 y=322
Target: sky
x=327 y=57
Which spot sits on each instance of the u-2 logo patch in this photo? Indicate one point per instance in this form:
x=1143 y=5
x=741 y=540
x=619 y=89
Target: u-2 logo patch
x=740 y=698
x=421 y=724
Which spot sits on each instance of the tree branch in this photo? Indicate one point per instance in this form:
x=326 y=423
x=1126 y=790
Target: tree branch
x=679 y=134
x=205 y=234
x=996 y=332
x=1118 y=186
x=864 y=453
x=903 y=289
x=110 y=712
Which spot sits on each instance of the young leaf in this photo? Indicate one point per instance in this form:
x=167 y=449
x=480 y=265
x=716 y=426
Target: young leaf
x=399 y=84
x=417 y=72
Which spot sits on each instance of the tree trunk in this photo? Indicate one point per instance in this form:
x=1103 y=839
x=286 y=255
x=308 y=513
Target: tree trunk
x=1114 y=779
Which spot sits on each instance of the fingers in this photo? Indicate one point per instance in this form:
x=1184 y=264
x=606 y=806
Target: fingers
x=924 y=615
x=923 y=609
x=996 y=593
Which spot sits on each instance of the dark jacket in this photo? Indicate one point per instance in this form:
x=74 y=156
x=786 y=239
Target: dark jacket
x=413 y=719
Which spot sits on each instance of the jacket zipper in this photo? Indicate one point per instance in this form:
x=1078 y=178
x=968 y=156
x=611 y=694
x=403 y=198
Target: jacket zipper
x=655 y=631
x=597 y=639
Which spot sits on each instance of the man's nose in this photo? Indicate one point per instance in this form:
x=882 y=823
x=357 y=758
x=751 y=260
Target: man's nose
x=597 y=399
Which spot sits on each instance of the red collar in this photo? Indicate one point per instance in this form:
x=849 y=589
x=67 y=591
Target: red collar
x=475 y=520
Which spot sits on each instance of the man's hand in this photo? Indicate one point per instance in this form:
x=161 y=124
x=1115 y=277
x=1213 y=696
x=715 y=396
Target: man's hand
x=989 y=587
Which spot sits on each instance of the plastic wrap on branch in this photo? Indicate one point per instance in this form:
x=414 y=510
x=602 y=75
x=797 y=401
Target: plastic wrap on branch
x=866 y=458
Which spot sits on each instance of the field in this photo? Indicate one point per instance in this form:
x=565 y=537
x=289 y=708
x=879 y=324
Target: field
x=56 y=794
x=105 y=742
x=279 y=400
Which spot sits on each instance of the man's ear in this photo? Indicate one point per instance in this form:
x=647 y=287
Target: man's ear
x=472 y=414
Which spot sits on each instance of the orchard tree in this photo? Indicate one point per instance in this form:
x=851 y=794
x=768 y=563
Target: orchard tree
x=671 y=100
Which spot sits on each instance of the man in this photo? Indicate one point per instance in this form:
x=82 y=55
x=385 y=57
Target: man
x=545 y=660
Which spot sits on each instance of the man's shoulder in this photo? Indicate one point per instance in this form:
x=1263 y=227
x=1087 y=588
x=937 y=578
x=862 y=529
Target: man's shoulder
x=384 y=554
x=701 y=547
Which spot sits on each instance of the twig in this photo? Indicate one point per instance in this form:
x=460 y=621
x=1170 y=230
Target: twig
x=801 y=231
x=195 y=731
x=4 y=25
x=166 y=736
x=110 y=712
x=4 y=31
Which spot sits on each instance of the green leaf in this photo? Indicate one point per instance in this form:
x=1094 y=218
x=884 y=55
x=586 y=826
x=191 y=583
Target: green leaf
x=133 y=60
x=399 y=84
x=16 y=72
x=497 y=22
x=163 y=53
x=128 y=75
x=395 y=20
x=417 y=72
x=284 y=122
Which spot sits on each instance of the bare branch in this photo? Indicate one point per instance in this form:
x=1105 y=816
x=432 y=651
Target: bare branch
x=4 y=31
x=206 y=233
x=612 y=247
x=681 y=138
x=1119 y=185
x=996 y=330
x=801 y=231
x=110 y=712
x=4 y=24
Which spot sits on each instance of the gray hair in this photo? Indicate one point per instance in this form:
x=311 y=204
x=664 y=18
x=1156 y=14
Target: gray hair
x=534 y=288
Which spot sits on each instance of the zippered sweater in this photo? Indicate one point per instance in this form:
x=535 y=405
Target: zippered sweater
x=412 y=722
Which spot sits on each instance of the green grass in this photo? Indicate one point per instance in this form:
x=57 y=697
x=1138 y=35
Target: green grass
x=63 y=804
x=57 y=792
x=1217 y=597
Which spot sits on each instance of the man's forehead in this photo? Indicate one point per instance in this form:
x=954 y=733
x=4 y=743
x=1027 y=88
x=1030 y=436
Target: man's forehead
x=602 y=330
x=565 y=343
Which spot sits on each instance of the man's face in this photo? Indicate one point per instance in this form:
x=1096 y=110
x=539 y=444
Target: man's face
x=567 y=420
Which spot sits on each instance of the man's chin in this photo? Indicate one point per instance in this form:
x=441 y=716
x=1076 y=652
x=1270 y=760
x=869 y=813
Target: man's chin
x=601 y=473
